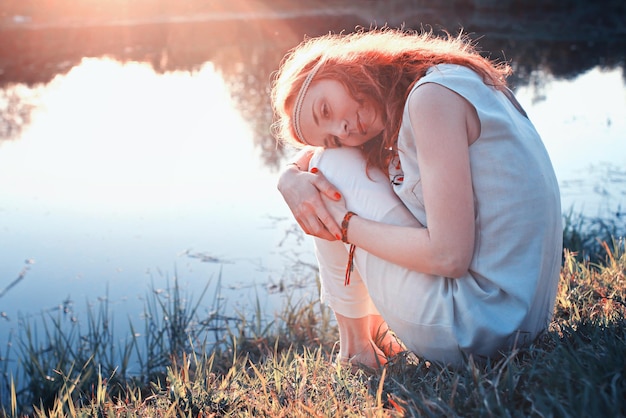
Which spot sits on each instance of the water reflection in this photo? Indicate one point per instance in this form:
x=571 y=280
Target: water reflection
x=125 y=135
x=246 y=48
x=127 y=176
x=583 y=123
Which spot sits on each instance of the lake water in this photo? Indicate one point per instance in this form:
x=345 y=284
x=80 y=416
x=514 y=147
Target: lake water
x=133 y=153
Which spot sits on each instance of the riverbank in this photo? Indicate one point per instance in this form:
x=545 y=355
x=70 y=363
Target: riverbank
x=287 y=367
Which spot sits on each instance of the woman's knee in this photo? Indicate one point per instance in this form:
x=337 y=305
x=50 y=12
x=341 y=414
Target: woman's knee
x=342 y=166
x=367 y=190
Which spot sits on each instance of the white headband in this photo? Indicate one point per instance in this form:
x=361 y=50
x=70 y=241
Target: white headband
x=300 y=98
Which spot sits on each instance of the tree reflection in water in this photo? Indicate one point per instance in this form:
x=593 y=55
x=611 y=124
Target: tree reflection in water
x=247 y=46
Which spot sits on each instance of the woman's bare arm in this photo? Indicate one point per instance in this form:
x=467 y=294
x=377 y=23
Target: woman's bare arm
x=444 y=124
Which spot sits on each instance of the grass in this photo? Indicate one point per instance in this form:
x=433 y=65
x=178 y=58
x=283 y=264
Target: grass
x=586 y=236
x=248 y=366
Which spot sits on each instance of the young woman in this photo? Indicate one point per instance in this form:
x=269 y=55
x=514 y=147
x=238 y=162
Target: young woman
x=431 y=197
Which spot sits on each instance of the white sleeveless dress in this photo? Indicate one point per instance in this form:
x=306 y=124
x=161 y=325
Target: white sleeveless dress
x=507 y=296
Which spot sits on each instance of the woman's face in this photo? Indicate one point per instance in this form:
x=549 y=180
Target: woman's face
x=331 y=118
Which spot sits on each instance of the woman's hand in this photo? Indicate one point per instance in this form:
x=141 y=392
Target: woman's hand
x=336 y=208
x=303 y=193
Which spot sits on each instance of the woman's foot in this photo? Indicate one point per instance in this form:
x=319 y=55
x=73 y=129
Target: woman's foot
x=369 y=358
x=382 y=336
x=366 y=342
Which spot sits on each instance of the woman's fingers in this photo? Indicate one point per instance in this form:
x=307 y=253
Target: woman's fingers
x=323 y=214
x=314 y=219
x=303 y=193
x=324 y=186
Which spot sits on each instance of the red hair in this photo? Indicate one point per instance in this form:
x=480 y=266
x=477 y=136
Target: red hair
x=379 y=66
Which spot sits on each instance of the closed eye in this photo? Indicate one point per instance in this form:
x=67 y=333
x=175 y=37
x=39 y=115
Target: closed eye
x=325 y=111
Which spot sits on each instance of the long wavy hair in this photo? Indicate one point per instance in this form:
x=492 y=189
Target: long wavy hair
x=379 y=66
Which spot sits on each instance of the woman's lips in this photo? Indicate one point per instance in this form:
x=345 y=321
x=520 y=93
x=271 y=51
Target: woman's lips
x=360 y=127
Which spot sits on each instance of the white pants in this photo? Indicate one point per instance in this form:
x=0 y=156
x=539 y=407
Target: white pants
x=370 y=195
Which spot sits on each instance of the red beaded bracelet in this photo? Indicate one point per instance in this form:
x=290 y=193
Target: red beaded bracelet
x=344 y=226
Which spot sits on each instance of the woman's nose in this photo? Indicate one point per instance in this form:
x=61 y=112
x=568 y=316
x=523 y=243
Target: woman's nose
x=342 y=130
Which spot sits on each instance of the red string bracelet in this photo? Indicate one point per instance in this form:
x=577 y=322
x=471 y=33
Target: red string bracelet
x=350 y=265
x=344 y=238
